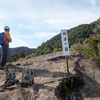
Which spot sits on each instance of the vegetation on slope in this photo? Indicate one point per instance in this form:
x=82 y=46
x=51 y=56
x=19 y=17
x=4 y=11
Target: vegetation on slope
x=83 y=39
x=17 y=50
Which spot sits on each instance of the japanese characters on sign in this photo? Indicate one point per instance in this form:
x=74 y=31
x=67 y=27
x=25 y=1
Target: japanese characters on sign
x=65 y=44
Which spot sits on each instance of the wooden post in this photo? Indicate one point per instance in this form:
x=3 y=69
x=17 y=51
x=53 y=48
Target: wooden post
x=67 y=64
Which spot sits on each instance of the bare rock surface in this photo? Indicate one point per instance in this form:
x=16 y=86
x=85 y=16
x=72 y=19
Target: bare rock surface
x=47 y=70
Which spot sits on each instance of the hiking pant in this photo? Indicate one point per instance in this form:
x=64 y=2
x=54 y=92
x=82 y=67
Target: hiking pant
x=4 y=48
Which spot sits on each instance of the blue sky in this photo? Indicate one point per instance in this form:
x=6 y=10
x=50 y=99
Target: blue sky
x=33 y=21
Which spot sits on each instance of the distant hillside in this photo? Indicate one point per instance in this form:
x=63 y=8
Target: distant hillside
x=17 y=50
x=75 y=34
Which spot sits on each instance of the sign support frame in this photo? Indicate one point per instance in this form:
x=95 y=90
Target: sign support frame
x=66 y=59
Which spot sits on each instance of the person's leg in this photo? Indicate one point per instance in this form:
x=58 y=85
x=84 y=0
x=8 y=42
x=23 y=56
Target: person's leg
x=4 y=54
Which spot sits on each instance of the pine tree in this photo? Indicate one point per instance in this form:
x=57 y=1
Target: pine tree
x=21 y=55
x=14 y=57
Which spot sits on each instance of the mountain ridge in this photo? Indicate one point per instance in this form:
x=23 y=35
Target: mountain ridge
x=17 y=50
x=75 y=34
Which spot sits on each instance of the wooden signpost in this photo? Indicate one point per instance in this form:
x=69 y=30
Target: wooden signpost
x=65 y=46
x=67 y=64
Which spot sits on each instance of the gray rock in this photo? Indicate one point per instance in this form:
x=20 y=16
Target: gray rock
x=68 y=88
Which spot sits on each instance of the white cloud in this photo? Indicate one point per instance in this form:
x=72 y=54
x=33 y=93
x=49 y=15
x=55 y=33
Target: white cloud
x=61 y=20
x=42 y=18
x=36 y=35
x=45 y=34
x=20 y=24
x=1 y=16
x=18 y=42
x=93 y=2
x=38 y=15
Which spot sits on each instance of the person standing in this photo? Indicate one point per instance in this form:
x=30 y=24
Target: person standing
x=5 y=46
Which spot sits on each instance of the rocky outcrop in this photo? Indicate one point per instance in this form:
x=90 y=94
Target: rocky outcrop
x=48 y=70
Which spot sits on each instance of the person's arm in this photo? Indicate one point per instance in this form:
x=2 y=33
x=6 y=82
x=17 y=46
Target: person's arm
x=8 y=37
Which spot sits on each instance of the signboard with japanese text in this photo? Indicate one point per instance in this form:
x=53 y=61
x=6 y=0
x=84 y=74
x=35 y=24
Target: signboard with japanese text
x=65 y=44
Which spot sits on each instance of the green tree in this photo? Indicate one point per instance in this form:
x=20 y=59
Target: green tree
x=57 y=50
x=38 y=53
x=98 y=38
x=46 y=51
x=21 y=55
x=77 y=47
x=14 y=57
x=92 y=42
x=49 y=47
